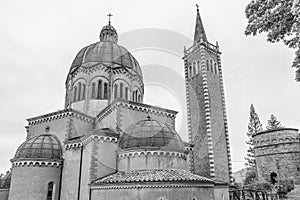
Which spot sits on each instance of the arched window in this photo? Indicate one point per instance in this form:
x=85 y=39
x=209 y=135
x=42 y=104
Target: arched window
x=99 y=95
x=194 y=69
x=79 y=91
x=105 y=90
x=93 y=90
x=207 y=65
x=211 y=66
x=139 y=98
x=83 y=91
x=50 y=191
x=190 y=71
x=75 y=94
x=121 y=90
x=136 y=96
x=116 y=91
x=133 y=93
x=126 y=93
x=216 y=70
x=198 y=66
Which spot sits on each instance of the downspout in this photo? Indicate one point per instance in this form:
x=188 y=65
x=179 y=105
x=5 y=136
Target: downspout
x=90 y=195
x=80 y=169
x=60 y=179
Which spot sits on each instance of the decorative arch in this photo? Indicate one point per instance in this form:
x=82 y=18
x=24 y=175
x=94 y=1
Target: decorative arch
x=194 y=68
x=211 y=66
x=79 y=89
x=97 y=87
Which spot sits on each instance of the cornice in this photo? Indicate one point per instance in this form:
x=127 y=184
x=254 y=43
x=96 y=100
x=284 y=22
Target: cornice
x=86 y=140
x=60 y=114
x=135 y=106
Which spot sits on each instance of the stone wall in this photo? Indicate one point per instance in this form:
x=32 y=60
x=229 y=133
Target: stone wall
x=278 y=151
x=31 y=181
x=155 y=193
x=124 y=114
x=4 y=194
x=151 y=160
x=63 y=124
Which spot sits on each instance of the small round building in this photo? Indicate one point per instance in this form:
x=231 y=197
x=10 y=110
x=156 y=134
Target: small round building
x=278 y=152
x=36 y=169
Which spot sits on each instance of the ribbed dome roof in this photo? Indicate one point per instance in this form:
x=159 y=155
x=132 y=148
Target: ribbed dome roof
x=108 y=53
x=151 y=134
x=44 y=146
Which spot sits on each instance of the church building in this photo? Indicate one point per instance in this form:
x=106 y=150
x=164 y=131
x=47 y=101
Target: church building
x=108 y=144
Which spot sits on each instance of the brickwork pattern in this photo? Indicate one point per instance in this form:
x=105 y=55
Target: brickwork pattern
x=278 y=151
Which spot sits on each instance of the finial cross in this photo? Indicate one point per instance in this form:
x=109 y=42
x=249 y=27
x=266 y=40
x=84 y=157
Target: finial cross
x=109 y=16
x=197 y=6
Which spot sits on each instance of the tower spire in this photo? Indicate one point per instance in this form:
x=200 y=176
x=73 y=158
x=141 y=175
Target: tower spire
x=199 y=34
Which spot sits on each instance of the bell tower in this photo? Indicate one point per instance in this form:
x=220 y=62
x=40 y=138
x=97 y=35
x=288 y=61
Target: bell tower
x=207 y=121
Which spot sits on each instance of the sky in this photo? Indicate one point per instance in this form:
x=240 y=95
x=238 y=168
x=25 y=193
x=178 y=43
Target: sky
x=39 y=40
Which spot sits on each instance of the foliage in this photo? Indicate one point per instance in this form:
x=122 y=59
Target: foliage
x=274 y=123
x=250 y=177
x=254 y=127
x=262 y=186
x=285 y=186
x=280 y=19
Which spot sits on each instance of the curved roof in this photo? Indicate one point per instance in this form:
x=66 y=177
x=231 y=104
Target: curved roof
x=5 y=181
x=44 y=146
x=152 y=175
x=109 y=53
x=150 y=133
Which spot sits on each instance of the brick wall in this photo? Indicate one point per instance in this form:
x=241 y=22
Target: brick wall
x=278 y=151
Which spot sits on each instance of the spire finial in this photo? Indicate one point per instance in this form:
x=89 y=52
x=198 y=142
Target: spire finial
x=197 y=7
x=109 y=16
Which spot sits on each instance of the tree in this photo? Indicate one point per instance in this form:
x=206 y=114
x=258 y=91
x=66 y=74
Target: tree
x=273 y=123
x=254 y=127
x=250 y=177
x=280 y=19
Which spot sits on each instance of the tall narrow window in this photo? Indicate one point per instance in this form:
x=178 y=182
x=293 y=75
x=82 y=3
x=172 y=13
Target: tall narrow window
x=116 y=91
x=79 y=91
x=194 y=69
x=93 y=90
x=198 y=66
x=121 y=90
x=126 y=93
x=75 y=94
x=216 y=70
x=133 y=93
x=207 y=65
x=105 y=90
x=139 y=99
x=50 y=191
x=136 y=96
x=83 y=91
x=99 y=95
x=190 y=71
x=211 y=66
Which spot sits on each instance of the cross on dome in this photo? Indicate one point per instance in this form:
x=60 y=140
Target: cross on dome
x=109 y=16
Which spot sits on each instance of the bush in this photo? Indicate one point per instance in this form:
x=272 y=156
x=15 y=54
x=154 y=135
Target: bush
x=263 y=186
x=284 y=187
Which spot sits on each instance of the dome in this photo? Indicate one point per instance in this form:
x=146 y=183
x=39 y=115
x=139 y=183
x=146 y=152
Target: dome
x=44 y=146
x=151 y=134
x=106 y=53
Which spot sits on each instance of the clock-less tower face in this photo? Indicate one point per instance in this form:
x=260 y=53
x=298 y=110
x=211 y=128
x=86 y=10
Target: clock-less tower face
x=207 y=122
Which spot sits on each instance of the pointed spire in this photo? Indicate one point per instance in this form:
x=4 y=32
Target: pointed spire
x=199 y=34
